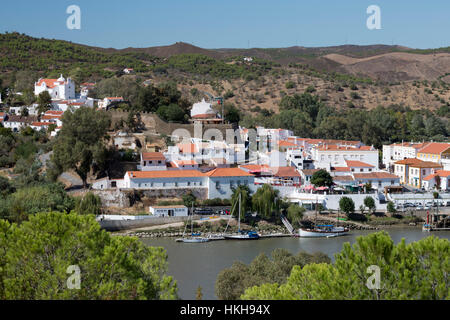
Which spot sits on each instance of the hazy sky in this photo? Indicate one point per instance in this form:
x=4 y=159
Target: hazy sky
x=232 y=23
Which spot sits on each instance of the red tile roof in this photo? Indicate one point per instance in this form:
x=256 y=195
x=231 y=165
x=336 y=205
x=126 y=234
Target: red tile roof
x=375 y=175
x=285 y=172
x=185 y=162
x=358 y=164
x=187 y=148
x=48 y=82
x=148 y=156
x=165 y=174
x=408 y=161
x=228 y=172
x=435 y=148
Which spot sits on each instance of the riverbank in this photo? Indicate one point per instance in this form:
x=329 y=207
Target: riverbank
x=213 y=226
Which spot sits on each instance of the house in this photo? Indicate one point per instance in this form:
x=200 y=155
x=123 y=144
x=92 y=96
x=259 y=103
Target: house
x=57 y=88
x=15 y=122
x=434 y=152
x=327 y=156
x=3 y=116
x=299 y=159
x=378 y=180
x=440 y=180
x=412 y=171
x=284 y=146
x=165 y=179
x=185 y=164
x=53 y=116
x=344 y=181
x=169 y=211
x=104 y=104
x=39 y=126
x=128 y=70
x=285 y=176
x=359 y=166
x=222 y=181
x=151 y=161
x=306 y=175
x=400 y=151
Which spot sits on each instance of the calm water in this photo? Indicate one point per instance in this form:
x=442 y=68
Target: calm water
x=198 y=264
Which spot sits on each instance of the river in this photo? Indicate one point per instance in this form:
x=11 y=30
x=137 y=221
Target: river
x=198 y=264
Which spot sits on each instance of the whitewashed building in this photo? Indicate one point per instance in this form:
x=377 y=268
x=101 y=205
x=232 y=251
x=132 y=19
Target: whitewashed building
x=60 y=88
x=400 y=151
x=169 y=211
x=202 y=108
x=327 y=156
x=222 y=181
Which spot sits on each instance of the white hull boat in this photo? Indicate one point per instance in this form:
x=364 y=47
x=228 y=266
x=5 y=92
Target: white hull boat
x=193 y=240
x=323 y=232
x=243 y=236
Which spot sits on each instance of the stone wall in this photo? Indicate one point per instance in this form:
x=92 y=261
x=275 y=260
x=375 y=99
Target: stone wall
x=154 y=124
x=125 y=198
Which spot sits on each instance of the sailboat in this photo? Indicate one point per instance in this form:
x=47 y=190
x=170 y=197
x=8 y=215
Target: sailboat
x=194 y=237
x=242 y=235
x=322 y=231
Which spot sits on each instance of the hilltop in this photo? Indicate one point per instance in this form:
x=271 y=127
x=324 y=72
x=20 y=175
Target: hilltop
x=344 y=76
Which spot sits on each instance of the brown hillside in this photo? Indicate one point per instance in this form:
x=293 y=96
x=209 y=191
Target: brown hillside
x=396 y=66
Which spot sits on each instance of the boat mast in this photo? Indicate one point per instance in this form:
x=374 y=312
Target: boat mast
x=239 y=214
x=192 y=218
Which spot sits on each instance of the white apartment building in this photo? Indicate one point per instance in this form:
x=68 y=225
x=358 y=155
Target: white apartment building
x=327 y=156
x=400 y=151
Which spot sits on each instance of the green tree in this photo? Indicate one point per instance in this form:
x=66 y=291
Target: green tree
x=30 y=200
x=81 y=142
x=416 y=271
x=266 y=201
x=232 y=282
x=391 y=207
x=243 y=192
x=44 y=101
x=36 y=255
x=322 y=178
x=189 y=199
x=295 y=213
x=346 y=205
x=88 y=204
x=369 y=202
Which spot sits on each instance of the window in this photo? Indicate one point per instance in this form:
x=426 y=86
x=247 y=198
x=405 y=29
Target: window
x=361 y=170
x=189 y=183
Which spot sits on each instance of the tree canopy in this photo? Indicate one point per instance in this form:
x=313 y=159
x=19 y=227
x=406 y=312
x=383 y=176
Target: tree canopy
x=81 y=142
x=232 y=282
x=35 y=257
x=417 y=271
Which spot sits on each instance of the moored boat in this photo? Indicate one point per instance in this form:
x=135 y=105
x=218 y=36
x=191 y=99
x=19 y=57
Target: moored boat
x=328 y=231
x=242 y=235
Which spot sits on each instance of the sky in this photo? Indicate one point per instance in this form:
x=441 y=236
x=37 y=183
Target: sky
x=232 y=23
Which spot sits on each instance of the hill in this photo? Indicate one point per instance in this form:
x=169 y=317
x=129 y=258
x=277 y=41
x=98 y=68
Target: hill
x=344 y=76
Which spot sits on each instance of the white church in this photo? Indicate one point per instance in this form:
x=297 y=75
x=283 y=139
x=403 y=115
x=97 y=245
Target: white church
x=59 y=89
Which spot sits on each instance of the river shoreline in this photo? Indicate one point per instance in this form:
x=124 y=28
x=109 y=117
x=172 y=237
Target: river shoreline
x=176 y=230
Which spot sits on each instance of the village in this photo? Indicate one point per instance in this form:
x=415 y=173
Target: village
x=210 y=166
